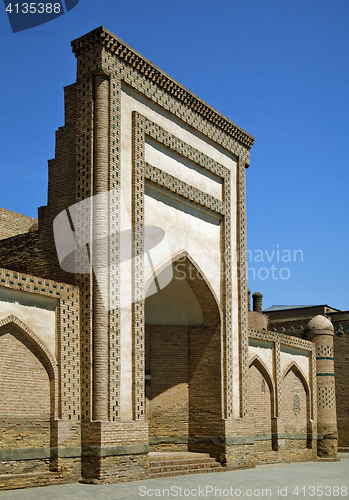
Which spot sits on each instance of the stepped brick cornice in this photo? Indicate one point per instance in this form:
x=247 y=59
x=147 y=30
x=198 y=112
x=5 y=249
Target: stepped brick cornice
x=101 y=37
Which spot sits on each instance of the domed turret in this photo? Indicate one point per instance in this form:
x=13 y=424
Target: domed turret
x=320 y=323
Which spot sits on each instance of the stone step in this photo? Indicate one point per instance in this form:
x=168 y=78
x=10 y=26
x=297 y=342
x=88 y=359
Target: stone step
x=180 y=467
x=184 y=461
x=26 y=479
x=154 y=455
x=175 y=464
x=187 y=471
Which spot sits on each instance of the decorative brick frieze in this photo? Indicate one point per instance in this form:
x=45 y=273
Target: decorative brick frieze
x=177 y=186
x=141 y=170
x=102 y=38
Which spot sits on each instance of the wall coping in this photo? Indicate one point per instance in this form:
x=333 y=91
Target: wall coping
x=101 y=37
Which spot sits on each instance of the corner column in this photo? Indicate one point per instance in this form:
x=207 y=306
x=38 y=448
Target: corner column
x=320 y=331
x=100 y=249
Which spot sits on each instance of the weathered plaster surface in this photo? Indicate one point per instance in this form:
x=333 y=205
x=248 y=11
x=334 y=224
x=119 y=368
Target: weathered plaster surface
x=301 y=357
x=174 y=305
x=184 y=231
x=201 y=239
x=264 y=350
x=161 y=157
x=38 y=313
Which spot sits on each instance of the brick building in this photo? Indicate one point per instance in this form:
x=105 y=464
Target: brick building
x=292 y=320
x=129 y=304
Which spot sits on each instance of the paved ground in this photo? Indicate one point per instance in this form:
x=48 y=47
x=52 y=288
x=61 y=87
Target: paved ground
x=291 y=481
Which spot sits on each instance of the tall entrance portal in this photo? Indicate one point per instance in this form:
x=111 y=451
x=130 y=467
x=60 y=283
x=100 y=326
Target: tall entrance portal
x=183 y=363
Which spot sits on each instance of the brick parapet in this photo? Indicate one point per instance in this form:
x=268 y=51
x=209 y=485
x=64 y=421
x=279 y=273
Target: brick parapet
x=282 y=338
x=12 y=223
x=21 y=253
x=341 y=370
x=101 y=38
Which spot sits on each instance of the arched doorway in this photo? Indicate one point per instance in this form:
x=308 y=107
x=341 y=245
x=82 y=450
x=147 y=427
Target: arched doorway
x=183 y=363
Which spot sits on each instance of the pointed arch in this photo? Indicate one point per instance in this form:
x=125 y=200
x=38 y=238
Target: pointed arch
x=184 y=255
x=49 y=362
x=11 y=318
x=256 y=360
x=263 y=415
x=292 y=365
x=287 y=403
x=184 y=362
x=262 y=367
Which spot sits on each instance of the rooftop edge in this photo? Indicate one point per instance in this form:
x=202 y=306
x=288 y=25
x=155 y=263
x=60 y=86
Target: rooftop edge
x=103 y=37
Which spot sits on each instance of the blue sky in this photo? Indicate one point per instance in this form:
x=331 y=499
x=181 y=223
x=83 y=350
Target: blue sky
x=280 y=70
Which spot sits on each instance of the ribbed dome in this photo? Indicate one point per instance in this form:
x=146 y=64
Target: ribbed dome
x=320 y=322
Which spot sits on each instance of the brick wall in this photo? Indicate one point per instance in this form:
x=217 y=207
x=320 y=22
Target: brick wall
x=25 y=385
x=39 y=405
x=12 y=223
x=62 y=186
x=205 y=384
x=257 y=321
x=184 y=393
x=168 y=390
x=296 y=327
x=341 y=371
x=25 y=398
x=261 y=403
x=20 y=253
x=294 y=414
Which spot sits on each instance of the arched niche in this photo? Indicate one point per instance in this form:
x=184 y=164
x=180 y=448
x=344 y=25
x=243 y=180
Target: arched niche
x=28 y=378
x=295 y=418
x=262 y=405
x=174 y=305
x=183 y=360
